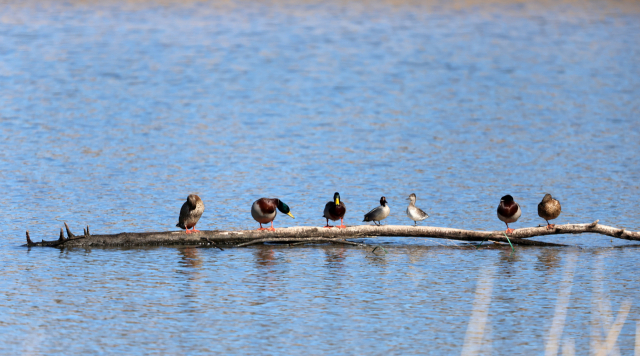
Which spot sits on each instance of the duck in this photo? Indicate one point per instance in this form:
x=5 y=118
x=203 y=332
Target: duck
x=263 y=211
x=413 y=212
x=549 y=209
x=335 y=210
x=378 y=213
x=508 y=211
x=190 y=213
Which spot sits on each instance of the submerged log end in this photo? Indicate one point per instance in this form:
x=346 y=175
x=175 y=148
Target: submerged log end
x=29 y=242
x=69 y=234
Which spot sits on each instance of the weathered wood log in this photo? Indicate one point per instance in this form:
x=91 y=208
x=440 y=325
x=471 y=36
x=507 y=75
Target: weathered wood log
x=298 y=241
x=217 y=238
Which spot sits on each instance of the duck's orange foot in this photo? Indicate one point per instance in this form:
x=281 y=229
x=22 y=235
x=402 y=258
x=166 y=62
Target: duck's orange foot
x=271 y=229
x=551 y=226
x=262 y=228
x=510 y=231
x=328 y=226
x=187 y=231
x=194 y=230
x=341 y=226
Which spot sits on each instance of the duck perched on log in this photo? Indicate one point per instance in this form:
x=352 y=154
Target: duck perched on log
x=263 y=211
x=335 y=210
x=413 y=212
x=549 y=209
x=190 y=213
x=508 y=211
x=379 y=213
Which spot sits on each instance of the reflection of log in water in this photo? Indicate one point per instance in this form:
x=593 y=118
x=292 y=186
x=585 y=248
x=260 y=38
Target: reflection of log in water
x=295 y=235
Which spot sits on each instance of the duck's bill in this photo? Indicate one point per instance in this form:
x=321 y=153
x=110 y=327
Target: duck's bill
x=291 y=215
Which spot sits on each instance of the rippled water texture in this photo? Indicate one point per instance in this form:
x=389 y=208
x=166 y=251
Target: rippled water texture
x=112 y=113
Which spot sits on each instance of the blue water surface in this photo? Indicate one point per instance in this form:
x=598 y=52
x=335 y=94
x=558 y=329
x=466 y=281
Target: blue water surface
x=112 y=112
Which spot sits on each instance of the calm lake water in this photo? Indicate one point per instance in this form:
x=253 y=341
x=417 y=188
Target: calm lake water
x=111 y=113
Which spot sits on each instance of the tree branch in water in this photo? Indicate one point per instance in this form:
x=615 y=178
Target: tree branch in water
x=321 y=235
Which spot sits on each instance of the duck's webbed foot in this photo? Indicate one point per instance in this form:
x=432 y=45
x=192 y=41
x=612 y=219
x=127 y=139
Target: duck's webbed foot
x=328 y=226
x=271 y=228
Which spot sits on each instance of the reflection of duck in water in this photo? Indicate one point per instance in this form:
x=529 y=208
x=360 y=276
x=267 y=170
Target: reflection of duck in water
x=379 y=213
x=190 y=213
x=263 y=211
x=413 y=212
x=335 y=210
x=508 y=211
x=549 y=258
x=334 y=255
x=190 y=257
x=265 y=256
x=549 y=209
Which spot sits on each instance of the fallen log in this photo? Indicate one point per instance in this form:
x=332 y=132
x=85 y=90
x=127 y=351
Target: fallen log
x=305 y=234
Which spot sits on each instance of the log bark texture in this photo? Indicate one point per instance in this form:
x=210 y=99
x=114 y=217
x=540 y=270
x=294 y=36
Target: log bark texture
x=303 y=234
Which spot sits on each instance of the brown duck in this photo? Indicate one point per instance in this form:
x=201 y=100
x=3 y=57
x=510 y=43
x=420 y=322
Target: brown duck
x=190 y=213
x=549 y=209
x=335 y=210
x=508 y=211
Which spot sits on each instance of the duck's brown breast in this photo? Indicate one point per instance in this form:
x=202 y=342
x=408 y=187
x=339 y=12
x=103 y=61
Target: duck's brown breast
x=508 y=209
x=267 y=206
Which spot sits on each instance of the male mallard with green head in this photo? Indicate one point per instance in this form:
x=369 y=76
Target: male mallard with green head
x=379 y=213
x=263 y=211
x=549 y=209
x=508 y=211
x=335 y=210
x=190 y=213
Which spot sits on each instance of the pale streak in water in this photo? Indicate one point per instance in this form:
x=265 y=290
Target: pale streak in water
x=601 y=312
x=569 y=347
x=602 y=317
x=562 y=303
x=637 y=338
x=612 y=336
x=475 y=330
